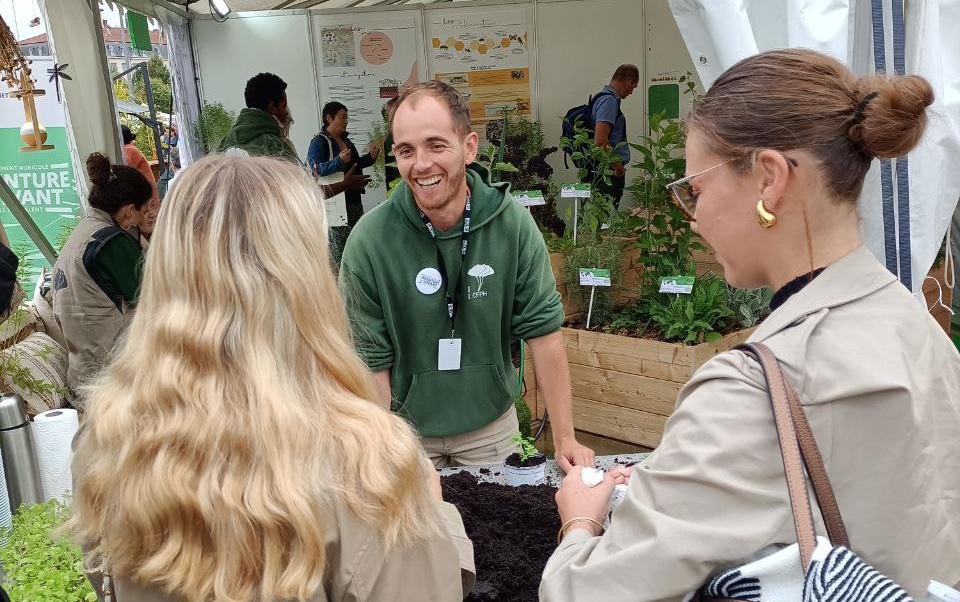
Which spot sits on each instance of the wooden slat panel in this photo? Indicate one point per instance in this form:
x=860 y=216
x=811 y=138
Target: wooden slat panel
x=631 y=365
x=625 y=390
x=705 y=351
x=558 y=265
x=626 y=346
x=642 y=428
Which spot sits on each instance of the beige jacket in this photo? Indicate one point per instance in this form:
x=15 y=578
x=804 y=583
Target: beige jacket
x=440 y=570
x=881 y=386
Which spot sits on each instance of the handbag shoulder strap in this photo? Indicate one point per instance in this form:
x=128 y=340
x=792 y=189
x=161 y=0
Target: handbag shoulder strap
x=798 y=449
x=816 y=471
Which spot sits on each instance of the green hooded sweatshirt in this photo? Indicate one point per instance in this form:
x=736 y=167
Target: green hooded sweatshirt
x=258 y=133
x=398 y=313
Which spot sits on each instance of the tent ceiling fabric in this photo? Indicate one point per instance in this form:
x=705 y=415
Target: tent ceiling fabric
x=202 y=6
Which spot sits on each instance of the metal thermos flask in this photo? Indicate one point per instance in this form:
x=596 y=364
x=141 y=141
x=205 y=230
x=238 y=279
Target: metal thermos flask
x=19 y=455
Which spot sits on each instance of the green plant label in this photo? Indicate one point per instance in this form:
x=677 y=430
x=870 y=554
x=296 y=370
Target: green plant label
x=529 y=198
x=575 y=191
x=594 y=277
x=677 y=284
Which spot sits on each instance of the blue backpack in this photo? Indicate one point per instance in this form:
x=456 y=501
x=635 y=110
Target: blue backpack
x=581 y=116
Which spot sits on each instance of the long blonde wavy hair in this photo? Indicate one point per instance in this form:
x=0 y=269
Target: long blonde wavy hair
x=235 y=410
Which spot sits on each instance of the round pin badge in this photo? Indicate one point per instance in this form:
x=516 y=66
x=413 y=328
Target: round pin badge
x=428 y=281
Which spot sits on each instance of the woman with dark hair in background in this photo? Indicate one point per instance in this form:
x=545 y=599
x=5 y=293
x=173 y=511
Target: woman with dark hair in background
x=331 y=151
x=777 y=152
x=96 y=279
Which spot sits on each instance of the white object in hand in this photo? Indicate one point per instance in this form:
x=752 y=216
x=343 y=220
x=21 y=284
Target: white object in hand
x=619 y=492
x=590 y=476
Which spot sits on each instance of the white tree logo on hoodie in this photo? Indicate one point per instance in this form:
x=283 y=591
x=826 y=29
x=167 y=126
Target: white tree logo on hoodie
x=479 y=271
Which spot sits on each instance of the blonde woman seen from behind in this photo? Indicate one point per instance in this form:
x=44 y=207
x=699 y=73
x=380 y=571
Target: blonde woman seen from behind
x=232 y=450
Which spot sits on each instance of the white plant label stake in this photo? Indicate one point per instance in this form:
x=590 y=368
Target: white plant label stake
x=529 y=198
x=677 y=284
x=593 y=277
x=575 y=192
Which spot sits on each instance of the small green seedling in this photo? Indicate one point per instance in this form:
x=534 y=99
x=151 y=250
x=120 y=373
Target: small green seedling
x=525 y=446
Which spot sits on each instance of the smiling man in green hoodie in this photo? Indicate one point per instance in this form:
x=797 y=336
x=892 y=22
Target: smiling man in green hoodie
x=440 y=278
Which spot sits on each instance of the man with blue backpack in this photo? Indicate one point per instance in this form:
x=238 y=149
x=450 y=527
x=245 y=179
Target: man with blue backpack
x=609 y=126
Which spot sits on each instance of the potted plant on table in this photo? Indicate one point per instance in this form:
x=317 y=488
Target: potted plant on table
x=526 y=466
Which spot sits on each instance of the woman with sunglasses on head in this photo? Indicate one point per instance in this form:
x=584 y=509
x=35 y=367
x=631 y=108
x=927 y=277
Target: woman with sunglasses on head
x=777 y=152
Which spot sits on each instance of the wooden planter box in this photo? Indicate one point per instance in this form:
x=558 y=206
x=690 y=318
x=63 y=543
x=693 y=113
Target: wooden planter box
x=626 y=388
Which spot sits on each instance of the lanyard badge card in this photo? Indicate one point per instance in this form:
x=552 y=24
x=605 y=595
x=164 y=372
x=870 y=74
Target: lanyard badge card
x=450 y=350
x=448 y=354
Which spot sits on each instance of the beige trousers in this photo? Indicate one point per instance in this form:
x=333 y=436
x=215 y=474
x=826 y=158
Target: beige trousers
x=490 y=444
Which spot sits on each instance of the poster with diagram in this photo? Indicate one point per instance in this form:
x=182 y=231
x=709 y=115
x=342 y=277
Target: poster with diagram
x=485 y=55
x=364 y=61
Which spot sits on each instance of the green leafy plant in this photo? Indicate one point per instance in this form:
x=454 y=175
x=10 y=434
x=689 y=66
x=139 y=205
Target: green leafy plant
x=37 y=566
x=14 y=376
x=64 y=234
x=749 y=306
x=518 y=142
x=213 y=125
x=696 y=317
x=663 y=234
x=488 y=158
x=599 y=226
x=378 y=134
x=524 y=416
x=525 y=447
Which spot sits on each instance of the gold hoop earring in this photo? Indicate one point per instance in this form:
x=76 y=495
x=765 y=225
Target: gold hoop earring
x=764 y=217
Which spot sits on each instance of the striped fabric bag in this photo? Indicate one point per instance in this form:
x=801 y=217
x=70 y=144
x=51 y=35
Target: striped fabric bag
x=815 y=569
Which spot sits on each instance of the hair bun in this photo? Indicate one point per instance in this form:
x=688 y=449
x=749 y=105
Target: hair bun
x=98 y=168
x=890 y=123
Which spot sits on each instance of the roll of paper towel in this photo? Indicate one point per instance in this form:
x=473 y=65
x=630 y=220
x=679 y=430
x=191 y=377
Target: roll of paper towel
x=53 y=433
x=6 y=518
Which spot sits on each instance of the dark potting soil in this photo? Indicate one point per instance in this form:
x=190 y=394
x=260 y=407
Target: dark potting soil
x=514 y=531
x=515 y=461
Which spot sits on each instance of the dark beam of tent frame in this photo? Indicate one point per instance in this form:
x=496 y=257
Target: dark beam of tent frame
x=29 y=226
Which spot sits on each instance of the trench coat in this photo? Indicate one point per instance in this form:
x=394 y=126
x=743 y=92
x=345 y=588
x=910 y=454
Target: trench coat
x=880 y=384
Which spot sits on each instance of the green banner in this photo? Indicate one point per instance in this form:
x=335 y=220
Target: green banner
x=43 y=181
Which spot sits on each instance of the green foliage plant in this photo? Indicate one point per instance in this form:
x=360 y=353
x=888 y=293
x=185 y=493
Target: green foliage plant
x=749 y=306
x=696 y=317
x=378 y=135
x=599 y=226
x=524 y=416
x=159 y=84
x=518 y=143
x=213 y=125
x=525 y=447
x=663 y=234
x=38 y=566
x=14 y=376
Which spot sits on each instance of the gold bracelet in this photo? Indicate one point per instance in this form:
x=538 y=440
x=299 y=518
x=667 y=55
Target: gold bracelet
x=563 y=528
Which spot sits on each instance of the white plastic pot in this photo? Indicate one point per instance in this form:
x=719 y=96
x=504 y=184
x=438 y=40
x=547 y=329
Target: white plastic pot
x=526 y=475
